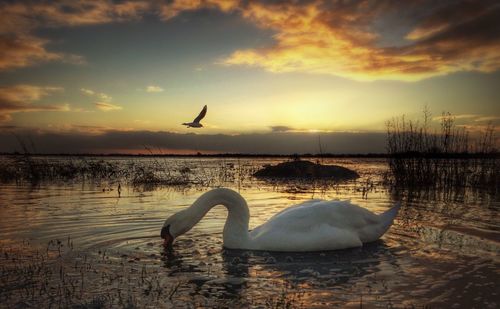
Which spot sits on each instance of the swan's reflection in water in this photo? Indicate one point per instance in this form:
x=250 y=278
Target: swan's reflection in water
x=258 y=275
x=393 y=271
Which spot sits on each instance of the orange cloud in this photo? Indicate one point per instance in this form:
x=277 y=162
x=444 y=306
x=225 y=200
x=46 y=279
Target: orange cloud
x=338 y=39
x=342 y=38
x=174 y=8
x=20 y=98
x=24 y=51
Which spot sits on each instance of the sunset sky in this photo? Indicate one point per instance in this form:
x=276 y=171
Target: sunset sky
x=104 y=76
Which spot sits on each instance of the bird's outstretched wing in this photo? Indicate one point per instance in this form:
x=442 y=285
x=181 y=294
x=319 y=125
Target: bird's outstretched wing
x=201 y=115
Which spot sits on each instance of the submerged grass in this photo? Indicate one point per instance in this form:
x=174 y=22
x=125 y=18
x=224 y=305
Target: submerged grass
x=58 y=278
x=63 y=277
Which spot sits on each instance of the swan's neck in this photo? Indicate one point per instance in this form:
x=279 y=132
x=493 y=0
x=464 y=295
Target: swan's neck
x=236 y=228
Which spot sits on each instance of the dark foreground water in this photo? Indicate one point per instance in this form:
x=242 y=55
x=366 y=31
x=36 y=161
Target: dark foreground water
x=80 y=245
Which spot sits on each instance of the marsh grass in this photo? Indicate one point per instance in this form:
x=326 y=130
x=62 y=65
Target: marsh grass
x=60 y=276
x=145 y=173
x=34 y=169
x=445 y=159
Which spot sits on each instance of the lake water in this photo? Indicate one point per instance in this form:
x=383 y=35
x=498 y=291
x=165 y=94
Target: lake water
x=102 y=248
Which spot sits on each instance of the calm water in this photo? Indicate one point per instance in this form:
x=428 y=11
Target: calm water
x=442 y=250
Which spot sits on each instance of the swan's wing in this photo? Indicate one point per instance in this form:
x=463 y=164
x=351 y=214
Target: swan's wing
x=292 y=208
x=201 y=115
x=319 y=225
x=335 y=213
x=317 y=238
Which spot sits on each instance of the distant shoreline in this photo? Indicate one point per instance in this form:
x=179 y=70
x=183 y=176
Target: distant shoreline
x=219 y=155
x=244 y=155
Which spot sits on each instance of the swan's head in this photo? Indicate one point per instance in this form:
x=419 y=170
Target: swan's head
x=175 y=225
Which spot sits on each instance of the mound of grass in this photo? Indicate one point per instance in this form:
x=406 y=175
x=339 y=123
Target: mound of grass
x=306 y=170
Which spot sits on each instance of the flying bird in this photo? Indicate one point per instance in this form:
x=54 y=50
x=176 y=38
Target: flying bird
x=196 y=122
x=314 y=225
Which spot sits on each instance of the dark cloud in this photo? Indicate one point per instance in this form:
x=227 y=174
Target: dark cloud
x=281 y=128
x=463 y=37
x=265 y=143
x=449 y=14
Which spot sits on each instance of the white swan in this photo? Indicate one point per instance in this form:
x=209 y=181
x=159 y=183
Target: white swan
x=315 y=225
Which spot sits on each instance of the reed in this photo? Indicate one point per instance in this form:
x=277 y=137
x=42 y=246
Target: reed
x=448 y=157
x=33 y=169
x=141 y=173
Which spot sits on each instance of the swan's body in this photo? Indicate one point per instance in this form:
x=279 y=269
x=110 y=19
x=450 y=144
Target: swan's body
x=196 y=122
x=315 y=225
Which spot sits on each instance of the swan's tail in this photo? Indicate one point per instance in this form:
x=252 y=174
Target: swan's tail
x=388 y=217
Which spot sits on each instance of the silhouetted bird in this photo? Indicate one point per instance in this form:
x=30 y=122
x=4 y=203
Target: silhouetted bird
x=196 y=122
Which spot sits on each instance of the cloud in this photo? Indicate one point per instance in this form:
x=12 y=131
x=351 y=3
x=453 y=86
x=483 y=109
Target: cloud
x=87 y=91
x=459 y=116
x=469 y=118
x=106 y=107
x=5 y=117
x=20 y=98
x=99 y=95
x=104 y=97
x=344 y=38
x=103 y=100
x=444 y=17
x=154 y=89
x=172 y=9
x=280 y=128
x=487 y=119
x=338 y=38
x=481 y=128
x=353 y=39
x=140 y=121
x=17 y=51
x=22 y=51
x=76 y=129
x=25 y=93
x=24 y=16
x=99 y=140
x=19 y=20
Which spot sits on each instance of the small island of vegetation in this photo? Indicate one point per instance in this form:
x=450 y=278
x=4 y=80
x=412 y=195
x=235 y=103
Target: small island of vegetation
x=306 y=169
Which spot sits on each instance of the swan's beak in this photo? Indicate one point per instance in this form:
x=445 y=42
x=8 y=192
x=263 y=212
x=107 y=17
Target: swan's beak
x=167 y=238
